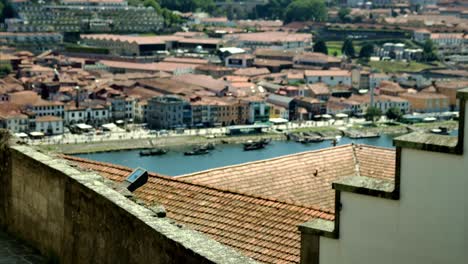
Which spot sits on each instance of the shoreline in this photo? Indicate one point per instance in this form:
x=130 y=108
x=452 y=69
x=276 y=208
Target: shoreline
x=190 y=141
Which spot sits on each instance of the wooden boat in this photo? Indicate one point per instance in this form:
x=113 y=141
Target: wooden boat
x=254 y=145
x=153 y=152
x=306 y=140
x=197 y=151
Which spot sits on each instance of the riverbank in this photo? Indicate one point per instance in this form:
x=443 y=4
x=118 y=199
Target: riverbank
x=188 y=141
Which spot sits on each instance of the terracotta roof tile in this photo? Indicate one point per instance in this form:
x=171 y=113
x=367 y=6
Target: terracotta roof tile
x=292 y=178
x=262 y=228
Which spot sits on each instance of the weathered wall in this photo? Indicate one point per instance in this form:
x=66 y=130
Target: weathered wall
x=74 y=217
x=427 y=225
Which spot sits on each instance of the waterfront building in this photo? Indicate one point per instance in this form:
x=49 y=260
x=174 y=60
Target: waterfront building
x=168 y=112
x=121 y=108
x=49 y=125
x=12 y=118
x=427 y=102
x=285 y=102
x=92 y=114
x=449 y=89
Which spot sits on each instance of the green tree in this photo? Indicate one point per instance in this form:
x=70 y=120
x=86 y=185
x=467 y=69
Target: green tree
x=373 y=113
x=5 y=69
x=366 y=51
x=348 y=48
x=429 y=51
x=306 y=10
x=394 y=113
x=6 y=10
x=343 y=14
x=321 y=46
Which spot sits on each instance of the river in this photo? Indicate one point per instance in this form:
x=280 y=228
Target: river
x=175 y=163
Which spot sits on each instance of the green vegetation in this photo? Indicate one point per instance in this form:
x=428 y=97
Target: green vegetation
x=373 y=113
x=305 y=10
x=6 y=10
x=366 y=51
x=394 y=113
x=343 y=14
x=5 y=69
x=399 y=66
x=429 y=51
x=170 y=19
x=348 y=48
x=320 y=46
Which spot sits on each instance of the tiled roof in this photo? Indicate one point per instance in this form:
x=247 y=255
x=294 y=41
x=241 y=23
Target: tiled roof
x=305 y=177
x=262 y=228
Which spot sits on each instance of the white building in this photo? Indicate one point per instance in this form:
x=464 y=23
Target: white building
x=49 y=125
x=15 y=122
x=93 y=115
x=329 y=77
x=47 y=108
x=418 y=216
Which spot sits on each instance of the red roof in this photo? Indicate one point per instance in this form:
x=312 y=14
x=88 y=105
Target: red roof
x=291 y=178
x=262 y=228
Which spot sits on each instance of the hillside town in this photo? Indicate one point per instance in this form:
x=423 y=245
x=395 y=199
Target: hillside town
x=232 y=132
x=232 y=72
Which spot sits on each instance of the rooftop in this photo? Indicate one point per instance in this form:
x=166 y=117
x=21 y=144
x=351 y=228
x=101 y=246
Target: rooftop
x=264 y=229
x=303 y=178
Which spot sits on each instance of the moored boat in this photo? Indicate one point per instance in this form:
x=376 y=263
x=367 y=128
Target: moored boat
x=440 y=131
x=197 y=151
x=254 y=145
x=153 y=152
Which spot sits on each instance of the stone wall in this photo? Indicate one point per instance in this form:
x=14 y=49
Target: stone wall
x=74 y=217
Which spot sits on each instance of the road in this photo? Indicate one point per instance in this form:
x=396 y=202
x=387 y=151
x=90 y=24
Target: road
x=140 y=133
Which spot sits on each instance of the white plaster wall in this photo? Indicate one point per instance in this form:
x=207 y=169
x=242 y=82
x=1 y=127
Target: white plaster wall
x=429 y=224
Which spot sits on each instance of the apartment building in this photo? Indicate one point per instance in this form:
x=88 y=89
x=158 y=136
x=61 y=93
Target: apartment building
x=168 y=112
x=427 y=102
x=49 y=125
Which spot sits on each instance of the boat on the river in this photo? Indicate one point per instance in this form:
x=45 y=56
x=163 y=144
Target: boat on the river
x=360 y=135
x=254 y=145
x=440 y=131
x=153 y=152
x=307 y=140
x=197 y=151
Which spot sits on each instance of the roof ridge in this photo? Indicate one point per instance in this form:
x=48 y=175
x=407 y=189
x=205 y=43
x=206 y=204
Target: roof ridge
x=207 y=186
x=357 y=168
x=261 y=161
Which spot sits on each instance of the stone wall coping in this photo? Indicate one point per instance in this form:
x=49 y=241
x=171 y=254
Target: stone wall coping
x=192 y=240
x=319 y=227
x=429 y=142
x=367 y=186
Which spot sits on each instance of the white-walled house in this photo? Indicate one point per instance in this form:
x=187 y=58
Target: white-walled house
x=329 y=77
x=93 y=115
x=49 y=125
x=417 y=217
